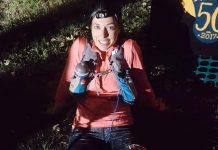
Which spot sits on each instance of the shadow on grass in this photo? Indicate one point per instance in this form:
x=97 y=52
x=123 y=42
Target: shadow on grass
x=24 y=99
x=20 y=36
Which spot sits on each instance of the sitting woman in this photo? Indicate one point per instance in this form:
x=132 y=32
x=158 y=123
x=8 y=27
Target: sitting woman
x=105 y=77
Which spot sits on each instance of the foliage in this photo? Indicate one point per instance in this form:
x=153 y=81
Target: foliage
x=137 y=18
x=54 y=138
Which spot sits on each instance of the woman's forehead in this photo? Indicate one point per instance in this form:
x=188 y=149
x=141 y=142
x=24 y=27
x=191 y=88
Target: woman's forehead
x=108 y=20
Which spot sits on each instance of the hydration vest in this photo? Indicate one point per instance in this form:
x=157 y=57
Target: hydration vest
x=85 y=71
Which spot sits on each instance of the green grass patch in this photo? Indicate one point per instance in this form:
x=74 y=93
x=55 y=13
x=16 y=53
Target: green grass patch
x=135 y=17
x=19 y=12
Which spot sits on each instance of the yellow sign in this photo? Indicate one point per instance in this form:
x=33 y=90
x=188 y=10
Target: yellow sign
x=189 y=7
x=206 y=18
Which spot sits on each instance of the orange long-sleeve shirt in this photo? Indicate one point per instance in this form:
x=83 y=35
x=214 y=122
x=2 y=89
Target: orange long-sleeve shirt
x=99 y=110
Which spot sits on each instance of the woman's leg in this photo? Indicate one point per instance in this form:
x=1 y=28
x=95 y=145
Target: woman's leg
x=83 y=139
x=121 y=138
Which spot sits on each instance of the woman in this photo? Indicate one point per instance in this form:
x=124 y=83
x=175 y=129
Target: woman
x=103 y=116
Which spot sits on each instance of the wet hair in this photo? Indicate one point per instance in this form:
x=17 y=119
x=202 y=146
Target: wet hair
x=103 y=10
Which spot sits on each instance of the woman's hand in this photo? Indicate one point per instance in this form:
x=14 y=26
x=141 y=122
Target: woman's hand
x=136 y=147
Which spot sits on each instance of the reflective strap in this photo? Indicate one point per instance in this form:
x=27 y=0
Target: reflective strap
x=98 y=75
x=103 y=73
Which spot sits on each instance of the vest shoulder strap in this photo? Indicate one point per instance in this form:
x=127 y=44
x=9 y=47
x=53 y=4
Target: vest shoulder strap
x=89 y=54
x=82 y=45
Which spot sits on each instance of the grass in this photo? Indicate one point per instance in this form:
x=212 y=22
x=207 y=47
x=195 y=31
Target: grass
x=40 y=50
x=56 y=42
x=54 y=138
x=14 y=13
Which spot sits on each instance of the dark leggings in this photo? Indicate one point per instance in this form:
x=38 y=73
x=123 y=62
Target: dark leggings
x=115 y=138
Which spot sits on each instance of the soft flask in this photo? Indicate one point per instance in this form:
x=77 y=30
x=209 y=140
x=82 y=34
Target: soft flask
x=127 y=87
x=80 y=79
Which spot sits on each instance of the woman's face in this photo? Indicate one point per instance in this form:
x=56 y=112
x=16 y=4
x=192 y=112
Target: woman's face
x=104 y=32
